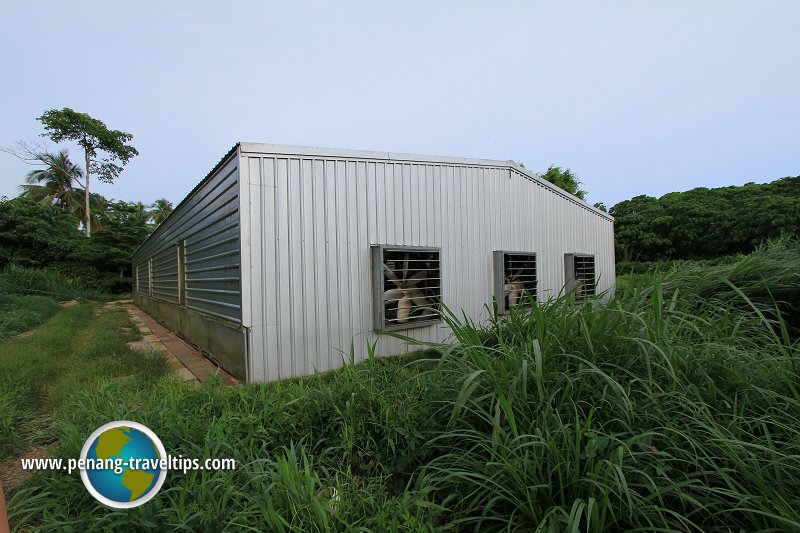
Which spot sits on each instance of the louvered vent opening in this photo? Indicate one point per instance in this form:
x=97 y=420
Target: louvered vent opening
x=143 y=277
x=164 y=280
x=150 y=276
x=585 y=282
x=409 y=288
x=515 y=279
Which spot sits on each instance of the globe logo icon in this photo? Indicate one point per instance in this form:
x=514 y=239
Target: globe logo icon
x=125 y=464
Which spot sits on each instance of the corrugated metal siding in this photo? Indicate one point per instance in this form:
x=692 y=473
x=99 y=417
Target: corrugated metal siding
x=208 y=223
x=165 y=275
x=213 y=268
x=144 y=277
x=312 y=220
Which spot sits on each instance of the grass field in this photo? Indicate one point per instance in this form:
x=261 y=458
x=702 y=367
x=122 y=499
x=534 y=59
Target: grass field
x=673 y=407
x=78 y=347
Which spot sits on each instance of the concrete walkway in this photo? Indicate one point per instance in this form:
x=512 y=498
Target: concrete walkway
x=188 y=363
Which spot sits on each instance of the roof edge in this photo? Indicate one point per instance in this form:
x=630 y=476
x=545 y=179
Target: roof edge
x=556 y=189
x=311 y=151
x=202 y=182
x=284 y=149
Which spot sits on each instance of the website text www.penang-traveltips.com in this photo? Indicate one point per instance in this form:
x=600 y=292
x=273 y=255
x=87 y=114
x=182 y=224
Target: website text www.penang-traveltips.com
x=184 y=464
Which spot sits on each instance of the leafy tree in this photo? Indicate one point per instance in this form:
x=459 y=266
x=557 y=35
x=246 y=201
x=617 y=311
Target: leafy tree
x=97 y=205
x=105 y=151
x=706 y=223
x=160 y=210
x=109 y=251
x=601 y=206
x=43 y=235
x=567 y=181
x=33 y=234
x=639 y=229
x=564 y=179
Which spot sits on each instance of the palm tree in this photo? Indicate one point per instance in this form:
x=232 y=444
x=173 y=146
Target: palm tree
x=160 y=210
x=54 y=184
x=141 y=213
x=58 y=183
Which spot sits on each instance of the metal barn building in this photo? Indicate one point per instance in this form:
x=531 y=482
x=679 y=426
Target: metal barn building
x=284 y=257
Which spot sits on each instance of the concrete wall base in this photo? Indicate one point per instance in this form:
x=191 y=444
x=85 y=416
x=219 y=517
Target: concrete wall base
x=223 y=341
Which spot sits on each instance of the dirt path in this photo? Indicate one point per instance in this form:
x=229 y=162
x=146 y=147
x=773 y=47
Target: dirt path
x=11 y=472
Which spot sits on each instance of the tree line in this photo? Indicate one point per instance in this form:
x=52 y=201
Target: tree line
x=44 y=235
x=50 y=224
x=706 y=223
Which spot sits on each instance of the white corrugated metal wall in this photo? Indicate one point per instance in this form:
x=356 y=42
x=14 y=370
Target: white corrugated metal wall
x=309 y=217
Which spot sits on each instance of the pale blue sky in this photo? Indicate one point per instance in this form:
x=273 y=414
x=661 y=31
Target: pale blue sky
x=636 y=97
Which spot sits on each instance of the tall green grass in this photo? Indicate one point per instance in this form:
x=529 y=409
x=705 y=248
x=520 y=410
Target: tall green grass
x=636 y=415
x=22 y=313
x=668 y=407
x=38 y=282
x=28 y=297
x=769 y=276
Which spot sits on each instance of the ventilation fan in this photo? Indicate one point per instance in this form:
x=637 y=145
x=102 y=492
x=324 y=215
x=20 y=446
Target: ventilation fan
x=515 y=276
x=580 y=275
x=407 y=288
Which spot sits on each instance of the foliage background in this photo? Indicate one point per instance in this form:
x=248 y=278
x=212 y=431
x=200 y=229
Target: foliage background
x=44 y=236
x=706 y=223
